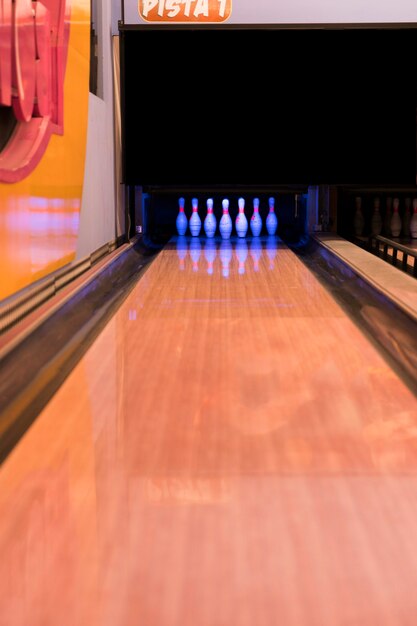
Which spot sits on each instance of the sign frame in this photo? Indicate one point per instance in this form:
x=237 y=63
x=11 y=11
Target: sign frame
x=332 y=25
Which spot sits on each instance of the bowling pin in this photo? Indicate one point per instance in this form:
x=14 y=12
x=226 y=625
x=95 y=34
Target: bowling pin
x=182 y=250
x=407 y=218
x=195 y=252
x=195 y=221
x=271 y=220
x=256 y=253
x=225 y=225
x=241 y=222
x=256 y=219
x=395 y=224
x=210 y=222
x=413 y=223
x=358 y=220
x=182 y=221
x=376 y=220
x=387 y=218
x=226 y=253
x=210 y=253
x=241 y=254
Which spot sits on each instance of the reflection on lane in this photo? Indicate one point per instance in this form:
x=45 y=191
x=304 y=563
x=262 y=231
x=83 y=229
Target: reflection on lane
x=204 y=272
x=234 y=433
x=228 y=255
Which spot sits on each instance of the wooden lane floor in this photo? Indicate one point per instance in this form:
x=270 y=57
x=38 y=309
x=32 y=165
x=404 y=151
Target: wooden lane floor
x=231 y=451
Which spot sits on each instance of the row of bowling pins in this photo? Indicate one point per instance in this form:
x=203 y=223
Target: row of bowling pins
x=226 y=224
x=393 y=224
x=226 y=250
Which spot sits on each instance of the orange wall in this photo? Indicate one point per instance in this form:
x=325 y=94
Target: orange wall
x=39 y=216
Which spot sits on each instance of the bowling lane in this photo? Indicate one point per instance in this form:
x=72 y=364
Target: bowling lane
x=231 y=451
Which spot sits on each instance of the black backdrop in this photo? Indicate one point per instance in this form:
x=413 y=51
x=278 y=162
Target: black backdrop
x=250 y=106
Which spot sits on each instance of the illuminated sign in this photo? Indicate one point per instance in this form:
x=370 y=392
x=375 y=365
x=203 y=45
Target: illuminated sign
x=185 y=10
x=33 y=52
x=282 y=12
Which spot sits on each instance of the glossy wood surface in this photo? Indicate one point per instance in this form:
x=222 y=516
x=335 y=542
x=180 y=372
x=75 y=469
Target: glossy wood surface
x=232 y=451
x=397 y=285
